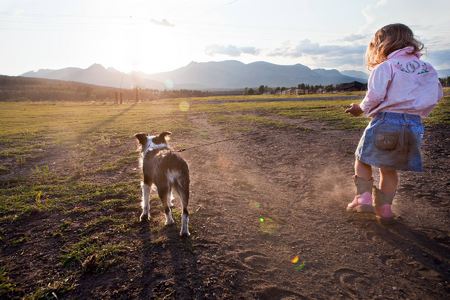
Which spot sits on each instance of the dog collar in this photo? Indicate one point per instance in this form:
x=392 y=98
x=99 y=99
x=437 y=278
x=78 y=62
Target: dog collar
x=153 y=147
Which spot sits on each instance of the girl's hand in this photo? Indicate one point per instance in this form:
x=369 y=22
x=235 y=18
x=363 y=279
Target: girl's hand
x=354 y=110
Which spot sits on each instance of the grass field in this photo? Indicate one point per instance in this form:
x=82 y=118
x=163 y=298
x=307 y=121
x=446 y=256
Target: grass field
x=34 y=136
x=71 y=169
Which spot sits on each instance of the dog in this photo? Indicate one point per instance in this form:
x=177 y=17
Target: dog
x=168 y=172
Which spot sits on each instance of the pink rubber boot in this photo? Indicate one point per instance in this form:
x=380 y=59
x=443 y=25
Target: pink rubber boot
x=362 y=202
x=383 y=204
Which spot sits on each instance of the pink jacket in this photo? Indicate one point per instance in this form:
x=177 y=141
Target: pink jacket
x=402 y=84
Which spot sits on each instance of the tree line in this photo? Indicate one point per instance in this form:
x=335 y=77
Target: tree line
x=445 y=82
x=303 y=88
x=314 y=89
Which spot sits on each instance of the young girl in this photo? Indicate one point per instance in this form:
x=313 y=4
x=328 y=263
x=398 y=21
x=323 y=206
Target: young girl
x=402 y=89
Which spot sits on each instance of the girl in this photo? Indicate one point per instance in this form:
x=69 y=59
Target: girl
x=401 y=90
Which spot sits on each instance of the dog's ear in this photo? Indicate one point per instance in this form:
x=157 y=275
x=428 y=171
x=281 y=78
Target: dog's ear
x=163 y=134
x=162 y=137
x=142 y=138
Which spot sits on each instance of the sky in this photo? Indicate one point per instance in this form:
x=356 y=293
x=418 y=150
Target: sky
x=154 y=36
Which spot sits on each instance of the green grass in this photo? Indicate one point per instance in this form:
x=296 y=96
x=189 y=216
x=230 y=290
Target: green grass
x=327 y=111
x=91 y=255
x=115 y=204
x=22 y=200
x=7 y=287
x=74 y=122
x=52 y=290
x=441 y=113
x=4 y=170
x=246 y=122
x=62 y=229
x=256 y=97
x=96 y=141
x=19 y=240
x=330 y=112
x=100 y=222
x=118 y=164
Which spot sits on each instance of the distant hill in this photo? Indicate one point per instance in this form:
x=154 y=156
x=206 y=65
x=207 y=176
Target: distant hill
x=228 y=74
x=444 y=73
x=234 y=74
x=97 y=75
x=17 y=88
x=356 y=74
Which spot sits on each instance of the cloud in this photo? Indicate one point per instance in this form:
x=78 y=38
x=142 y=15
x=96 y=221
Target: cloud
x=439 y=58
x=230 y=50
x=231 y=2
x=369 y=11
x=306 y=47
x=162 y=22
x=324 y=55
x=354 y=37
x=415 y=14
x=429 y=27
x=345 y=55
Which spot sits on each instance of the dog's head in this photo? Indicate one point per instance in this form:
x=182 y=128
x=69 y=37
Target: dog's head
x=150 y=142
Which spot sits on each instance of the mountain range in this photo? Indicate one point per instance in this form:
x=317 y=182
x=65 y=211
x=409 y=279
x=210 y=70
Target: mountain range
x=229 y=74
x=443 y=73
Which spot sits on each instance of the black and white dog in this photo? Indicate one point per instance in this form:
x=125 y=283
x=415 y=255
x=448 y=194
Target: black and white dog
x=168 y=172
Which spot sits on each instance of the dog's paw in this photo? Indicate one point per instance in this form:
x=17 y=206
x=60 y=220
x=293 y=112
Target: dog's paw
x=169 y=220
x=144 y=217
x=184 y=233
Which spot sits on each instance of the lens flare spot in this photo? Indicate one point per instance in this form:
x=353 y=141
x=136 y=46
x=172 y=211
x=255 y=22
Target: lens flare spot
x=184 y=105
x=295 y=259
x=267 y=225
x=300 y=267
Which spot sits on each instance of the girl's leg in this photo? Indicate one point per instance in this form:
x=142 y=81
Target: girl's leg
x=363 y=170
x=388 y=181
x=385 y=194
x=362 y=202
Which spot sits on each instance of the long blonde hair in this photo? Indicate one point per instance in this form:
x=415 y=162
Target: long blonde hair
x=389 y=39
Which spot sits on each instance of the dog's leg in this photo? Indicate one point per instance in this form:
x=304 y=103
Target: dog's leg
x=183 y=191
x=164 y=195
x=145 y=204
x=171 y=198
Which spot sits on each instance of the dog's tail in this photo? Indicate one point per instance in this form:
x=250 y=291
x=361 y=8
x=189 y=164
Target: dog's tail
x=181 y=184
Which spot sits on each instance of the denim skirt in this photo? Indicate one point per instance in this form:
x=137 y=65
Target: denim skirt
x=392 y=140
